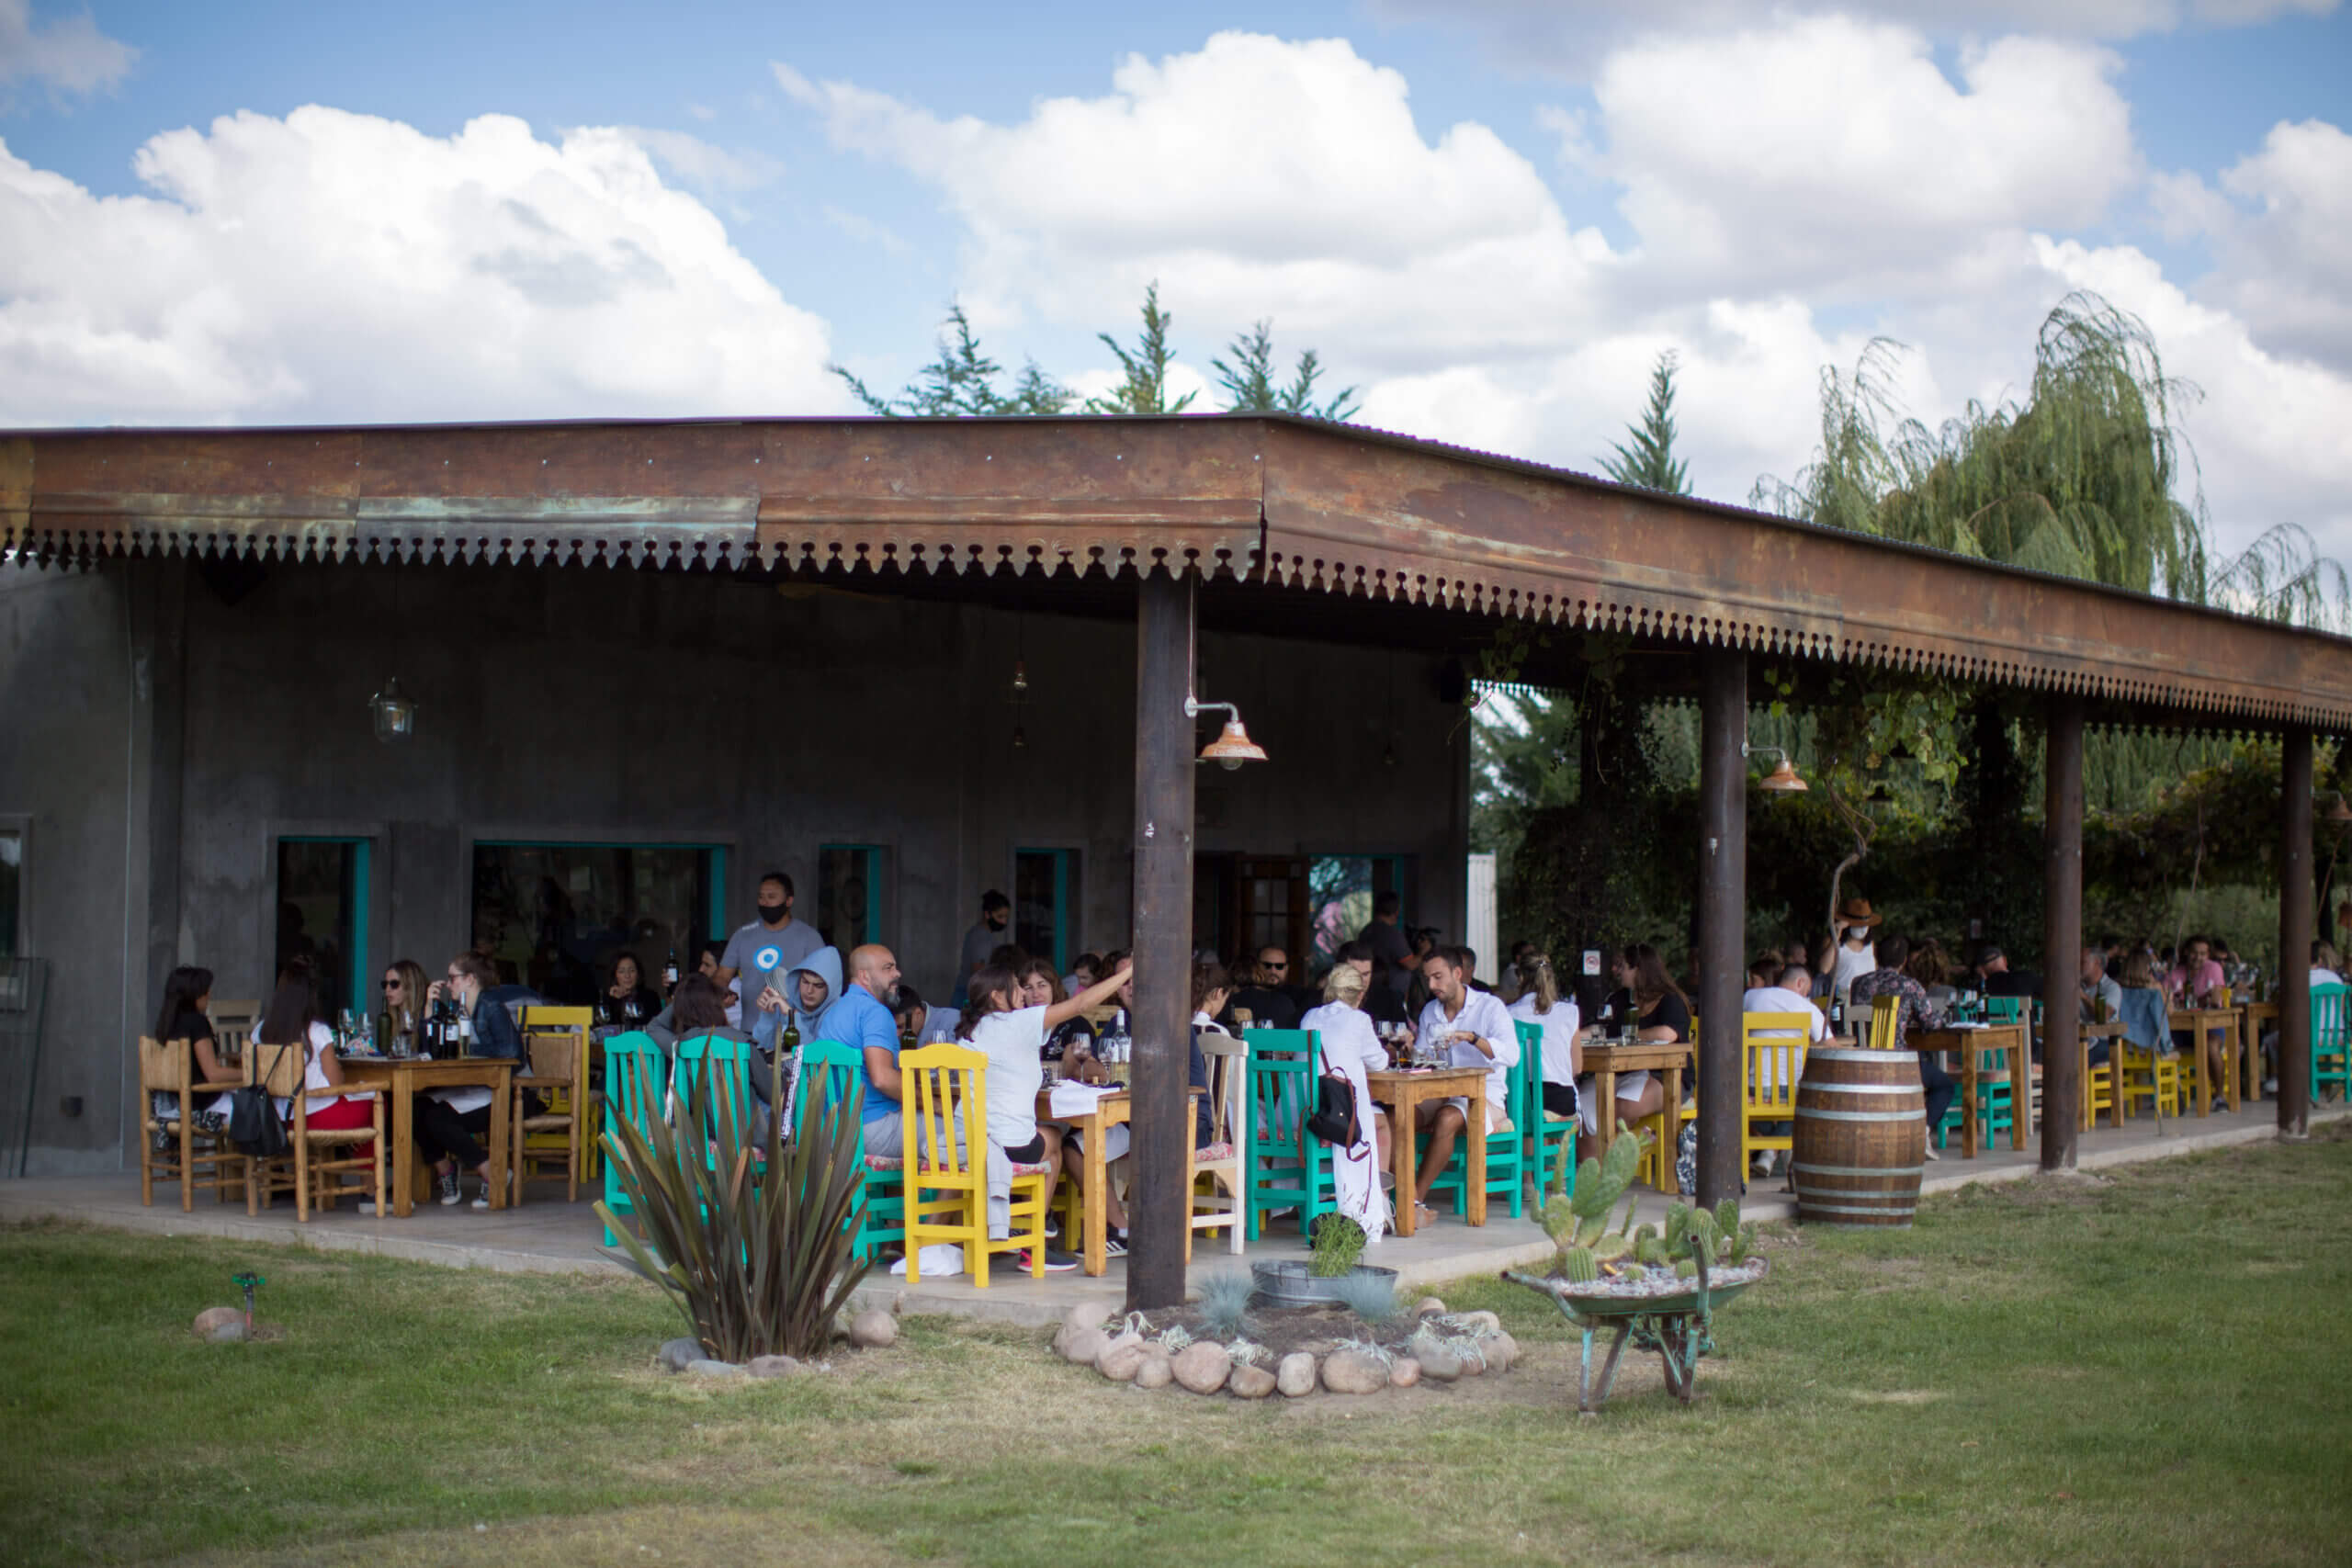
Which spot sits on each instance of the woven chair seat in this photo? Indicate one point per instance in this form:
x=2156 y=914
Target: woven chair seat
x=546 y=1123
x=339 y=1134
x=1212 y=1154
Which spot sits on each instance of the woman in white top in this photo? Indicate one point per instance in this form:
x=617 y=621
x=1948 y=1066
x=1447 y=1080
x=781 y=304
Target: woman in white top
x=1856 y=955
x=1012 y=1037
x=1352 y=1046
x=1540 y=1002
x=291 y=1021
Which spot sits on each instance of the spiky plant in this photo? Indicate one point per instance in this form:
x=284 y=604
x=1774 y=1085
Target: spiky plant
x=1339 y=1244
x=1225 y=1303
x=1371 y=1297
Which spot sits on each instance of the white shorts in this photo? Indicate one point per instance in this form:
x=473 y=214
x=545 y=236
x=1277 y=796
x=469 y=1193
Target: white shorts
x=1114 y=1142
x=1494 y=1113
x=1630 y=1086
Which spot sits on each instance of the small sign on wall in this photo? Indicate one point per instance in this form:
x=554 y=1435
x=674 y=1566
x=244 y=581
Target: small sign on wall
x=1592 y=961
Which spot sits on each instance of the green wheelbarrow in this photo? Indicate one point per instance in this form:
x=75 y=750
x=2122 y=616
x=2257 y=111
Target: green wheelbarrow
x=1675 y=1323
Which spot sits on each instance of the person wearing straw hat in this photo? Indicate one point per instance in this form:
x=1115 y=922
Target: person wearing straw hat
x=1855 y=955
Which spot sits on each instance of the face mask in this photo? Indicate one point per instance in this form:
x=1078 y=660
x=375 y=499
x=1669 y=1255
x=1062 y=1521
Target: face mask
x=770 y=913
x=1857 y=933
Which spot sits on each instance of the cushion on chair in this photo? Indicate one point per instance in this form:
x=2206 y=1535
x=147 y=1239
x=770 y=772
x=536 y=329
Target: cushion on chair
x=1501 y=1127
x=1020 y=1168
x=884 y=1162
x=1560 y=1116
x=1212 y=1154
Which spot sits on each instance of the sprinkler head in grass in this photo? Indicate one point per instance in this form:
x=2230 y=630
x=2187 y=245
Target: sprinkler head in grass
x=250 y=1284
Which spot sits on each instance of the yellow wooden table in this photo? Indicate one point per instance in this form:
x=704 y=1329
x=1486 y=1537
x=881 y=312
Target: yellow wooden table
x=2223 y=1021
x=1111 y=1109
x=402 y=1079
x=1404 y=1093
x=1605 y=1060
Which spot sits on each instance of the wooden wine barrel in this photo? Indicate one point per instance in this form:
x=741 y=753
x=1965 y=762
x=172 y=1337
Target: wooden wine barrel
x=1862 y=1137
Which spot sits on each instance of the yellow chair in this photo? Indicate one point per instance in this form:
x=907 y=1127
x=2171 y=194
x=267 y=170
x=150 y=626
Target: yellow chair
x=1885 y=1014
x=1656 y=1166
x=2146 y=1073
x=2099 y=1084
x=948 y=1190
x=170 y=1070
x=302 y=1169
x=1771 y=1048
x=555 y=1042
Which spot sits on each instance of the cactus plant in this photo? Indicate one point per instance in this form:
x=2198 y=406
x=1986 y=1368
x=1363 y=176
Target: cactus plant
x=1685 y=1268
x=1678 y=1222
x=1649 y=1250
x=1727 y=1216
x=1609 y=1248
x=1578 y=1264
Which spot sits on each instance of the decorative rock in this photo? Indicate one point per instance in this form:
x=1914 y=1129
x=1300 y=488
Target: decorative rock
x=1429 y=1307
x=1204 y=1368
x=774 y=1367
x=1437 y=1363
x=709 y=1368
x=1159 y=1369
x=1501 y=1352
x=1087 y=1315
x=1251 y=1382
x=676 y=1353
x=1352 y=1371
x=1405 y=1373
x=211 y=1318
x=873 y=1329
x=1121 y=1359
x=1083 y=1346
x=1480 y=1323
x=1294 y=1375
x=229 y=1333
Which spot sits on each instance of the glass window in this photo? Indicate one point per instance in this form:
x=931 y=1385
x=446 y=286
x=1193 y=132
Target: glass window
x=322 y=915
x=554 y=917
x=1045 y=895
x=1340 y=889
x=849 y=895
x=11 y=882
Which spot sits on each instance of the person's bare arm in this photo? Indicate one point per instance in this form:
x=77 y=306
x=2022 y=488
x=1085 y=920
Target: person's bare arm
x=208 y=1063
x=1094 y=996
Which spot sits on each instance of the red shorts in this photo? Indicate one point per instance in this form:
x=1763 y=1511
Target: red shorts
x=347 y=1114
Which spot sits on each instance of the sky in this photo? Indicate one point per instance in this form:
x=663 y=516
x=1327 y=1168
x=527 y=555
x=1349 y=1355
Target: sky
x=1489 y=216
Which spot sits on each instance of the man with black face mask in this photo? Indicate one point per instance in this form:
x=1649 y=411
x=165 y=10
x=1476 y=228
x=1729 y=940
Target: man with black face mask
x=771 y=946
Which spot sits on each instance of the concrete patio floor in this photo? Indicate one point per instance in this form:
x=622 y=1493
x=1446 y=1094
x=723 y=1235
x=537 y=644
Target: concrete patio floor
x=547 y=1236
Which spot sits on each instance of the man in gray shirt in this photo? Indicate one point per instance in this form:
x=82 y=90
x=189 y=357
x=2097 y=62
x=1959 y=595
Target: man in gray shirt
x=775 y=944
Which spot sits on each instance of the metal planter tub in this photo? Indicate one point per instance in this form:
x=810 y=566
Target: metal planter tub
x=1289 y=1285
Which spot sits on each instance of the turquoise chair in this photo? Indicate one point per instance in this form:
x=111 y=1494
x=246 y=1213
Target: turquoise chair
x=1287 y=1165
x=1996 y=1106
x=1550 y=1139
x=1507 y=1163
x=842 y=1070
x=727 y=1065
x=635 y=1075
x=2330 y=1040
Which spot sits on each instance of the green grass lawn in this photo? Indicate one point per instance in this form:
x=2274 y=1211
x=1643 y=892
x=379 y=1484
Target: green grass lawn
x=2152 y=1367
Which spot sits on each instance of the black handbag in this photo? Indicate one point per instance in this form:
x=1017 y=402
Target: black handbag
x=1333 y=1120
x=254 y=1125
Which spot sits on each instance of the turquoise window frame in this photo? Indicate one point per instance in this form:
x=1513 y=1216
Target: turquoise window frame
x=358 y=992
x=870 y=855
x=714 y=917
x=1065 y=863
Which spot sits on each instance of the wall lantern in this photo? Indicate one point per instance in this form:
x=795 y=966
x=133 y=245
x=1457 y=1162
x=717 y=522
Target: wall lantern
x=394 y=715
x=2338 y=814
x=1782 y=780
x=1232 y=748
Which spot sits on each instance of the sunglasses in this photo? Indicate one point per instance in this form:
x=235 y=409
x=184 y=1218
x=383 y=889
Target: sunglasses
x=392 y=984
x=1277 y=965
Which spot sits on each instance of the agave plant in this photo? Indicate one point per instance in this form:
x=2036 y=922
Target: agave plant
x=749 y=1239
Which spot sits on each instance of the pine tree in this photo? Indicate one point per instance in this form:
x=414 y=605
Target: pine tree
x=1145 y=388
x=1251 y=387
x=962 y=381
x=1650 y=461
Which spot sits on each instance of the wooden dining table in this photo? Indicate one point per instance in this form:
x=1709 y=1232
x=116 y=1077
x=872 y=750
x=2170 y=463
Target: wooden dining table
x=402 y=1078
x=1971 y=1043
x=1111 y=1109
x=1604 y=1060
x=2199 y=1022
x=2250 y=1017
x=1403 y=1093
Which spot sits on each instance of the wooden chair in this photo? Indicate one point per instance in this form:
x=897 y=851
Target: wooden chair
x=636 y=1089
x=1887 y=1013
x=1506 y=1148
x=2146 y=1074
x=1772 y=1049
x=2098 y=1082
x=948 y=1190
x=2331 y=1041
x=232 y=1025
x=831 y=1070
x=169 y=1069
x=1551 y=1137
x=301 y=1168
x=727 y=1063
x=556 y=1056
x=1219 y=1187
x=1285 y=1165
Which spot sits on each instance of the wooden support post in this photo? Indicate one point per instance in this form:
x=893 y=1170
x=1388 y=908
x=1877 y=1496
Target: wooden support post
x=1723 y=919
x=2295 y=934
x=2062 y=938
x=1163 y=934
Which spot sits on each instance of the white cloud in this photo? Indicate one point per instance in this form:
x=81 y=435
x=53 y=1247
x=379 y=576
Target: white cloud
x=338 y=266
x=1832 y=154
x=704 y=164
x=66 y=54
x=1571 y=39
x=2283 y=247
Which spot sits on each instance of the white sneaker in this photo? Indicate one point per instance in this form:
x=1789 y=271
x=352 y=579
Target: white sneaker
x=481 y=1199
x=1931 y=1153
x=2270 y=1086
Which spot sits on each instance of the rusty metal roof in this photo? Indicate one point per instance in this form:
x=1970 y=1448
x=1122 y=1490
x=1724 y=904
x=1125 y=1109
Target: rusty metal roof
x=1270 y=499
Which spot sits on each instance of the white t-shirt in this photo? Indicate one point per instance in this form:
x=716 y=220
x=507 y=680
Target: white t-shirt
x=1851 y=966
x=1013 y=1041
x=2325 y=976
x=1779 y=998
x=1483 y=1015
x=1560 y=1026
x=315 y=1075
x=1347 y=1035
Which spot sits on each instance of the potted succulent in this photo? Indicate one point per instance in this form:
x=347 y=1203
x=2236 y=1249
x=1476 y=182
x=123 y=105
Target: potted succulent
x=1337 y=1246
x=1656 y=1285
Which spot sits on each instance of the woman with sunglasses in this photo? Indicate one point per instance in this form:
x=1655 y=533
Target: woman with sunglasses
x=400 y=1013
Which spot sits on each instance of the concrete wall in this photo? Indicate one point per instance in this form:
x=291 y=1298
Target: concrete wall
x=162 y=739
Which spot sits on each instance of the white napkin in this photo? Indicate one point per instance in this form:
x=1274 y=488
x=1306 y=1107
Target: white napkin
x=1072 y=1098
